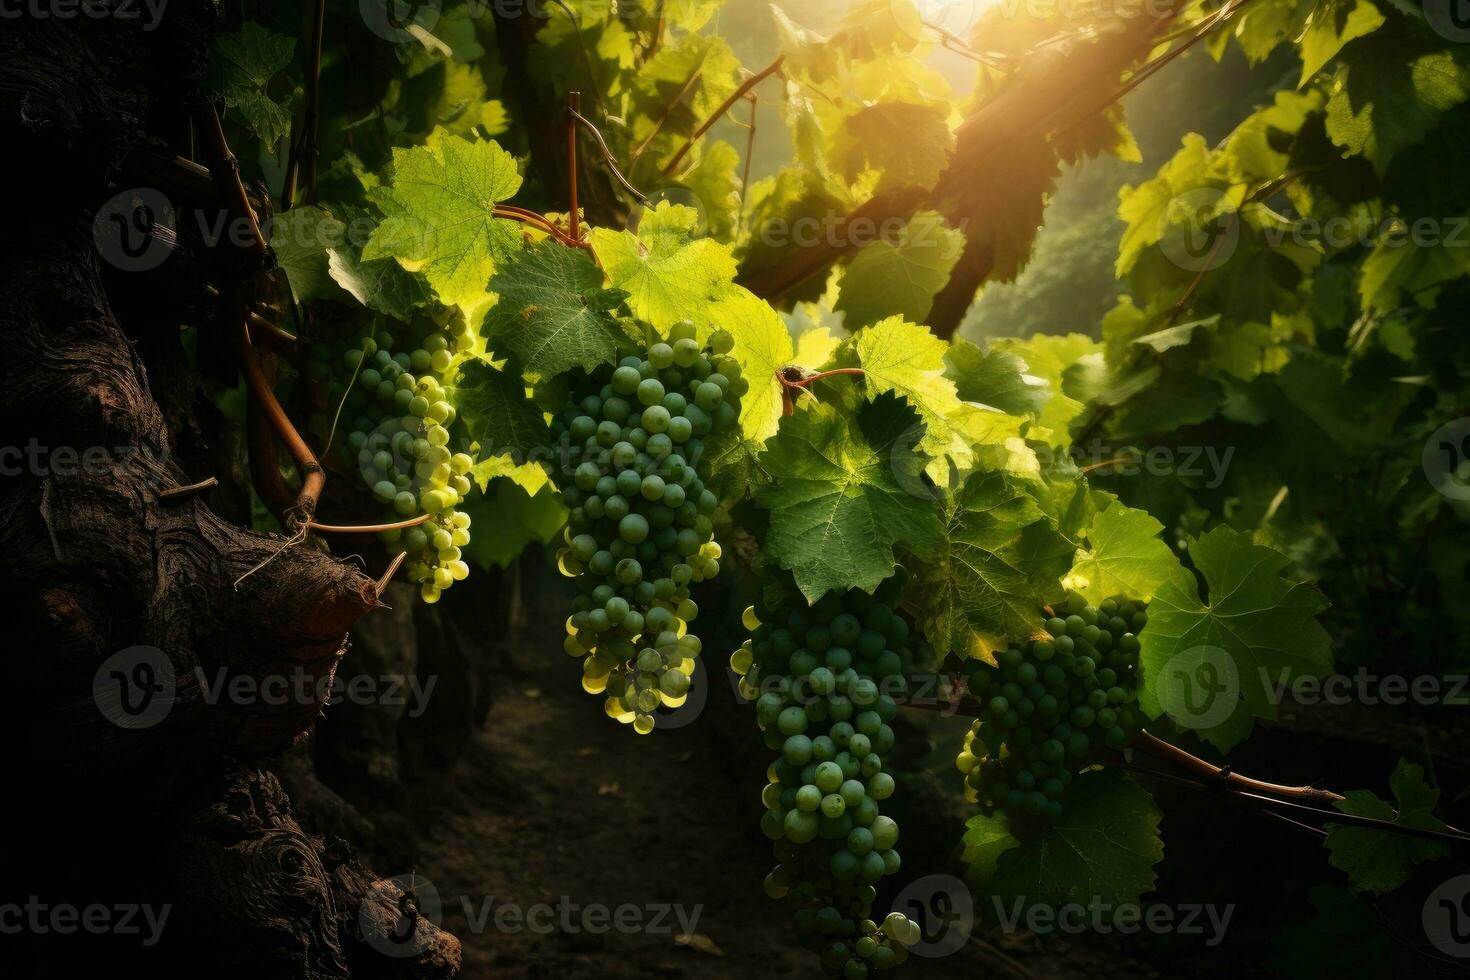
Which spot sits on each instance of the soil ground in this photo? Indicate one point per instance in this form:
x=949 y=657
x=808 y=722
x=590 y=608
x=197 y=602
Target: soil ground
x=555 y=804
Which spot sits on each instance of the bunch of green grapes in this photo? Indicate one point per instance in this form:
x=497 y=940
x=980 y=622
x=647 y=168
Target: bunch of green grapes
x=640 y=528
x=1052 y=708
x=825 y=681
x=399 y=415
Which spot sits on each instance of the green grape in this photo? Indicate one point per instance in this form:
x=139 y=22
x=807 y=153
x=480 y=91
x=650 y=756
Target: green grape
x=1062 y=703
x=833 y=843
x=638 y=527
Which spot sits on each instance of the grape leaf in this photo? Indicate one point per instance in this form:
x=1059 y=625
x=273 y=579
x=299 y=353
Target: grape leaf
x=1255 y=630
x=505 y=518
x=847 y=492
x=762 y=347
x=439 y=216
x=498 y=415
x=998 y=561
x=900 y=278
x=241 y=67
x=554 y=313
x=1331 y=25
x=997 y=378
x=1050 y=357
x=1100 y=851
x=382 y=285
x=668 y=273
x=1379 y=105
x=300 y=238
x=908 y=143
x=1380 y=860
x=908 y=360
x=1125 y=556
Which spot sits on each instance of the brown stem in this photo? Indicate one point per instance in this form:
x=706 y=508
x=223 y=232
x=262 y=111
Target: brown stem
x=749 y=156
x=313 y=477
x=188 y=490
x=668 y=110
x=724 y=107
x=392 y=570
x=304 y=150
x=607 y=156
x=226 y=171
x=367 y=528
x=276 y=338
x=574 y=109
x=1160 y=749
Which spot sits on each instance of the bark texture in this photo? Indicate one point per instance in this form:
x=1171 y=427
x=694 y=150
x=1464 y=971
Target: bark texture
x=137 y=609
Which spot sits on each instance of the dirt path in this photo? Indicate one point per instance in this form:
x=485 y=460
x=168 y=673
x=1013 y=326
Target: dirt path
x=556 y=815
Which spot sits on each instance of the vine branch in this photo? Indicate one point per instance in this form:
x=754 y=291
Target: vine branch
x=719 y=112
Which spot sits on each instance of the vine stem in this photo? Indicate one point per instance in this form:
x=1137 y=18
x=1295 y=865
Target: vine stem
x=607 y=156
x=668 y=110
x=755 y=102
x=313 y=477
x=392 y=570
x=1160 y=749
x=226 y=172
x=367 y=528
x=795 y=379
x=304 y=150
x=574 y=109
x=537 y=221
x=723 y=108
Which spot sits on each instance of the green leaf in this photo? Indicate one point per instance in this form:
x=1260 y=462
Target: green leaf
x=997 y=378
x=382 y=285
x=907 y=143
x=901 y=278
x=668 y=273
x=1050 y=357
x=908 y=360
x=847 y=493
x=300 y=239
x=505 y=518
x=241 y=67
x=498 y=415
x=1379 y=106
x=1214 y=663
x=1330 y=25
x=762 y=347
x=1125 y=556
x=439 y=216
x=999 y=559
x=554 y=313
x=1101 y=850
x=1381 y=860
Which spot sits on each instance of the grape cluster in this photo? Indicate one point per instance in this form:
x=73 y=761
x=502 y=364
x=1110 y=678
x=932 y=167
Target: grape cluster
x=640 y=527
x=824 y=680
x=1052 y=708
x=399 y=416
